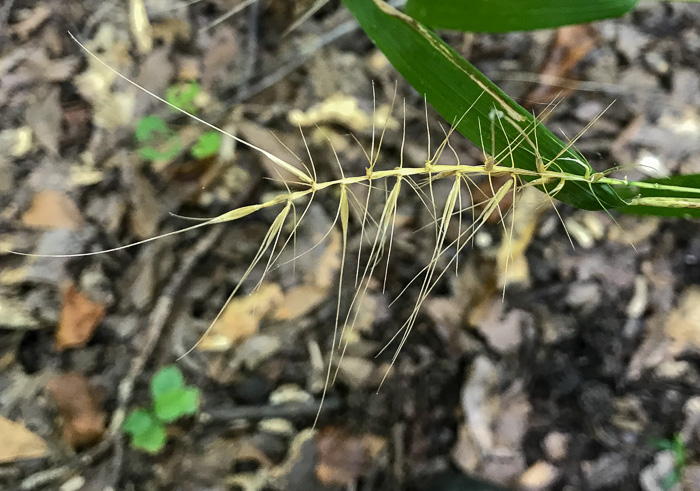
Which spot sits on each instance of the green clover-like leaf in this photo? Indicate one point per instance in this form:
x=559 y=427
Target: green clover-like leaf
x=150 y=126
x=176 y=403
x=139 y=421
x=147 y=433
x=183 y=95
x=165 y=380
x=207 y=145
x=158 y=141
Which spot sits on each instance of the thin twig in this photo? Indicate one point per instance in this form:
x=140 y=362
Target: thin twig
x=247 y=91
x=252 y=44
x=157 y=321
x=286 y=411
x=301 y=57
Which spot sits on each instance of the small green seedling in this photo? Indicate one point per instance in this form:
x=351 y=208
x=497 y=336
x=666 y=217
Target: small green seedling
x=182 y=95
x=208 y=145
x=156 y=140
x=172 y=399
x=677 y=448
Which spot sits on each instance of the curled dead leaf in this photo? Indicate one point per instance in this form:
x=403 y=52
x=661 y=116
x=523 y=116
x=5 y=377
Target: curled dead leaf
x=343 y=458
x=83 y=420
x=80 y=316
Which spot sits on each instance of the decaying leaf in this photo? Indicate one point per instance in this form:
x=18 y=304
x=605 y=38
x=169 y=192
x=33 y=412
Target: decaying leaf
x=44 y=118
x=80 y=410
x=343 y=458
x=241 y=318
x=18 y=443
x=52 y=210
x=490 y=439
x=80 y=316
x=571 y=44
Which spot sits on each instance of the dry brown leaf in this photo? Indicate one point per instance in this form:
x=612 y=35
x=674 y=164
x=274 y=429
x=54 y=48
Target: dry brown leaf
x=82 y=418
x=51 y=210
x=299 y=301
x=145 y=206
x=571 y=44
x=343 y=458
x=241 y=318
x=79 y=318
x=683 y=325
x=18 y=443
x=329 y=264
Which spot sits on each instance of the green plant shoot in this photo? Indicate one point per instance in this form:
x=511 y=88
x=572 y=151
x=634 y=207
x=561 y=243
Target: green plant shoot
x=183 y=95
x=171 y=400
x=207 y=145
x=156 y=140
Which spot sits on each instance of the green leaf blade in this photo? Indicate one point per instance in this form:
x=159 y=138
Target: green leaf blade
x=513 y=15
x=680 y=194
x=452 y=86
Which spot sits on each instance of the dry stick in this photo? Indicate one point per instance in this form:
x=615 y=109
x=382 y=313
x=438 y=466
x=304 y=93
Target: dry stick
x=156 y=323
x=293 y=411
x=304 y=54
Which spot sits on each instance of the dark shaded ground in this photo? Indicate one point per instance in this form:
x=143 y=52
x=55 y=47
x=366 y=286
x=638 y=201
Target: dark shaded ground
x=569 y=383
